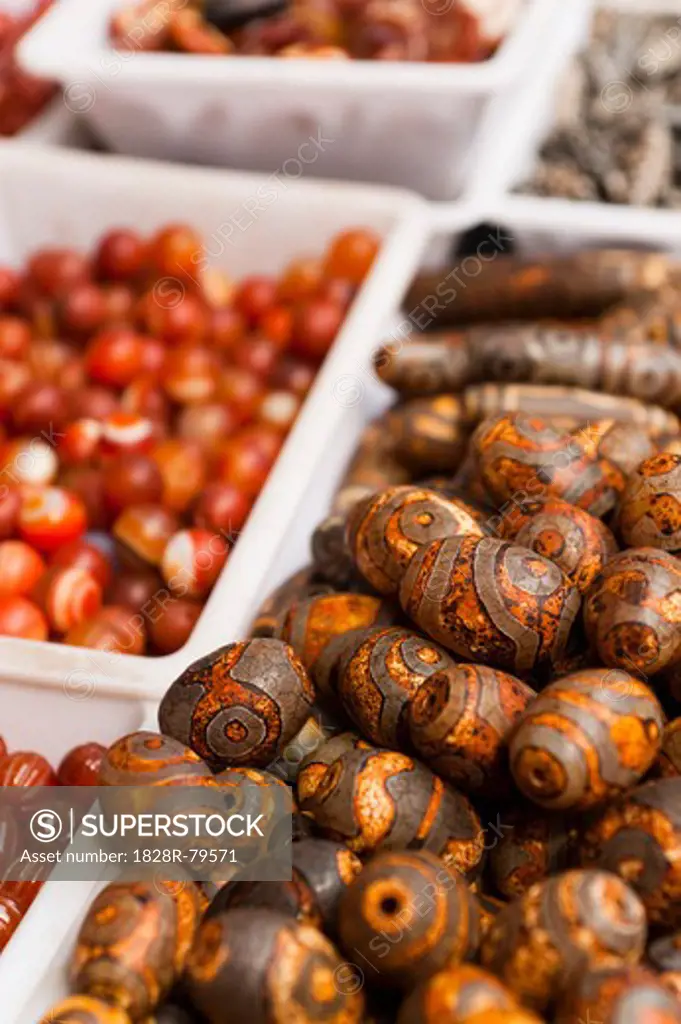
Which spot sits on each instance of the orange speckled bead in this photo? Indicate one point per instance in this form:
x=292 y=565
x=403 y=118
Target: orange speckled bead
x=133 y=944
x=521 y=457
x=459 y=722
x=632 y=611
x=268 y=970
x=625 y=995
x=491 y=601
x=454 y=995
x=407 y=916
x=639 y=838
x=388 y=528
x=586 y=739
x=381 y=800
x=379 y=673
x=85 y=1010
x=149 y=759
x=540 y=944
x=241 y=704
x=649 y=512
x=528 y=850
x=50 y=517
x=313 y=768
x=668 y=763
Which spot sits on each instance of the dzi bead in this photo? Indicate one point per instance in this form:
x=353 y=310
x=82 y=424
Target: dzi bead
x=85 y=1010
x=407 y=916
x=379 y=673
x=620 y=996
x=455 y=994
x=561 y=927
x=147 y=759
x=586 y=739
x=668 y=763
x=268 y=970
x=429 y=433
x=380 y=800
x=313 y=768
x=631 y=611
x=528 y=851
x=241 y=704
x=301 y=585
x=488 y=600
x=649 y=512
x=459 y=721
x=386 y=530
x=624 y=444
x=639 y=838
x=664 y=955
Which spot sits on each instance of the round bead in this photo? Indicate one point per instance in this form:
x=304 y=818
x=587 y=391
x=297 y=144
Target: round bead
x=460 y=720
x=586 y=739
x=80 y=554
x=639 y=838
x=68 y=597
x=668 y=763
x=192 y=561
x=50 y=517
x=133 y=944
x=131 y=479
x=240 y=705
x=268 y=970
x=562 y=927
x=664 y=955
x=620 y=996
x=387 y=529
x=125 y=432
x=407 y=917
x=41 y=407
x=222 y=508
x=20 y=568
x=454 y=995
x=147 y=758
x=491 y=601
x=379 y=673
x=85 y=1010
x=381 y=800
x=82 y=765
x=22 y=618
x=113 y=629
x=314 y=766
x=171 y=626
x=23 y=768
x=649 y=513
x=29 y=461
x=528 y=851
x=183 y=468
x=138 y=591
x=631 y=612
x=10 y=505
x=144 y=531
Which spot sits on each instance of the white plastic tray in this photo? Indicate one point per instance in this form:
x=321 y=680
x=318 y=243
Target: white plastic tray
x=407 y=124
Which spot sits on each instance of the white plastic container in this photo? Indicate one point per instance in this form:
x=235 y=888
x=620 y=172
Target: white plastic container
x=407 y=124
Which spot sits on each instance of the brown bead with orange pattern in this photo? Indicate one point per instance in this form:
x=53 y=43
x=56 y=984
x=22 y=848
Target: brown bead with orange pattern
x=150 y=759
x=313 y=768
x=381 y=800
x=429 y=434
x=624 y=995
x=528 y=851
x=490 y=601
x=668 y=763
x=540 y=943
x=632 y=613
x=407 y=916
x=133 y=944
x=459 y=721
x=455 y=994
x=664 y=955
x=298 y=587
x=624 y=444
x=267 y=969
x=649 y=512
x=85 y=1010
x=241 y=704
x=385 y=530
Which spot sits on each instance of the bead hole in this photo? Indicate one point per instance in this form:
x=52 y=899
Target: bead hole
x=390 y=905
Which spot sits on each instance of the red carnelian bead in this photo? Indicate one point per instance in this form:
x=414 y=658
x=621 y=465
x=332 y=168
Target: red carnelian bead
x=80 y=442
x=254 y=296
x=190 y=376
x=20 y=568
x=183 y=468
x=226 y=329
x=9 y=288
x=113 y=629
x=185 y=322
x=207 y=425
x=136 y=590
x=132 y=479
x=174 y=623
x=145 y=531
x=316 y=325
x=13 y=379
x=292 y=374
x=145 y=398
x=50 y=517
x=84 y=310
x=153 y=356
x=82 y=555
x=28 y=460
x=120 y=304
x=245 y=460
x=351 y=255
x=125 y=432
x=277 y=325
x=259 y=355
x=40 y=406
x=241 y=390
x=222 y=508
x=93 y=403
x=300 y=280
x=176 y=251
x=80 y=767
x=15 y=337
x=120 y=255
x=87 y=483
x=11 y=914
x=192 y=561
x=53 y=272
x=114 y=356
x=68 y=596
x=25 y=768
x=279 y=409
x=20 y=617
x=10 y=504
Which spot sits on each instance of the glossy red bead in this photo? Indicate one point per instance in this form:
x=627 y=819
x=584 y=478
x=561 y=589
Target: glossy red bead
x=254 y=296
x=41 y=407
x=114 y=629
x=192 y=561
x=144 y=530
x=191 y=376
x=184 y=470
x=25 y=768
x=22 y=618
x=136 y=590
x=176 y=252
x=68 y=596
x=241 y=390
x=21 y=567
x=87 y=483
x=95 y=403
x=53 y=272
x=170 y=629
x=84 y=310
x=316 y=325
x=207 y=425
x=351 y=255
x=125 y=432
x=120 y=255
x=10 y=504
x=115 y=356
x=15 y=337
x=80 y=441
x=246 y=460
x=82 y=555
x=185 y=322
x=222 y=508
x=131 y=479
x=259 y=355
x=80 y=767
x=50 y=517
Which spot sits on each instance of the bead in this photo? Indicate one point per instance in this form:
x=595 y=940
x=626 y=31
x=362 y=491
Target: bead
x=518 y=1015
x=649 y=513
x=317 y=321
x=331 y=556
x=136 y=590
x=22 y=618
x=298 y=587
x=639 y=838
x=624 y=444
x=379 y=674
x=85 y=1010
x=10 y=504
x=20 y=568
x=172 y=625
x=183 y=468
x=351 y=255
x=133 y=944
x=586 y=739
x=314 y=766
x=82 y=765
x=50 y=517
x=84 y=311
x=433 y=365
x=147 y=758
x=459 y=721
x=87 y=484
x=11 y=914
x=429 y=433
x=300 y=280
x=176 y=251
x=488 y=600
x=15 y=337
x=254 y=296
x=269 y=970
x=242 y=391
x=620 y=996
x=385 y=531
x=80 y=441
x=124 y=433
x=41 y=406
x=630 y=612
x=279 y=409
x=246 y=459
x=576 y=921
x=131 y=479
x=68 y=597
x=206 y=425
x=668 y=764
x=407 y=917
x=114 y=356
x=192 y=561
x=664 y=955
x=240 y=705
x=380 y=800
x=82 y=554
x=183 y=324
x=144 y=398
x=24 y=768
x=222 y=508
x=190 y=376
x=93 y=403
x=113 y=629
x=27 y=461
x=55 y=271
x=455 y=994
x=528 y=851
x=120 y=255
x=145 y=530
